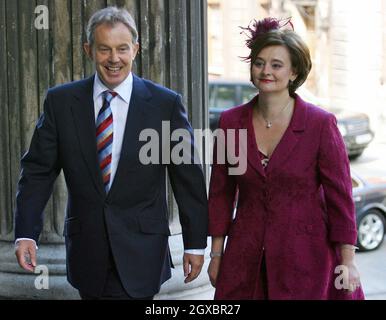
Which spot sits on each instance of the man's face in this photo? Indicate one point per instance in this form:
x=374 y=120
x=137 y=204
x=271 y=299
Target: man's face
x=113 y=53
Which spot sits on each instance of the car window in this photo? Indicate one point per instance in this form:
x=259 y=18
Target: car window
x=247 y=93
x=354 y=183
x=224 y=97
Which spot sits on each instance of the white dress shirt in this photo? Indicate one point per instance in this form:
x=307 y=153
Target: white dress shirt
x=119 y=108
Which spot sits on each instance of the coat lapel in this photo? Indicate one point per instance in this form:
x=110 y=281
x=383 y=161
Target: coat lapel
x=286 y=144
x=84 y=118
x=291 y=136
x=252 y=150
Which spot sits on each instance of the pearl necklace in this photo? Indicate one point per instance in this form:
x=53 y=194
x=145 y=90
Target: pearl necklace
x=268 y=123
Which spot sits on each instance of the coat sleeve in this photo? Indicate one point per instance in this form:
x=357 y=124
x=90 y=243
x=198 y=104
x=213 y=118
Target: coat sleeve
x=39 y=169
x=188 y=182
x=335 y=178
x=222 y=189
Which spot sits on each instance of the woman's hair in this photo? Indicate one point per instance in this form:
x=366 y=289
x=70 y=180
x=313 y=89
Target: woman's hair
x=111 y=16
x=273 y=32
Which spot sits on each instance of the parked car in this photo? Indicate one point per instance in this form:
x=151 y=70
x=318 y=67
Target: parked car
x=370 y=211
x=370 y=206
x=227 y=94
x=354 y=126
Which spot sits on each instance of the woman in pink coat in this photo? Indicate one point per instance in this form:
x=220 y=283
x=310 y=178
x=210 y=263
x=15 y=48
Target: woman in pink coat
x=294 y=230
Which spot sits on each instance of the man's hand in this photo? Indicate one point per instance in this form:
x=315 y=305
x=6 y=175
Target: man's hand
x=194 y=262
x=26 y=254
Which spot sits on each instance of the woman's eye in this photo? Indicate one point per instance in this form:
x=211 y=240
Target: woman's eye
x=276 y=66
x=259 y=64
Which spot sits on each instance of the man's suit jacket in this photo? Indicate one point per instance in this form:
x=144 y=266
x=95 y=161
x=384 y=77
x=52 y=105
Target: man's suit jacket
x=132 y=219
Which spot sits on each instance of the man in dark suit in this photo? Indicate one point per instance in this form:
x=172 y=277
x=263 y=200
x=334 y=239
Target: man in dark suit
x=116 y=227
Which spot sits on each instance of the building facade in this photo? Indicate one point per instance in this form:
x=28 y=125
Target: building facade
x=347 y=40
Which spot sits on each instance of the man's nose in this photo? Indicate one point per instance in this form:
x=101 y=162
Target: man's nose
x=114 y=56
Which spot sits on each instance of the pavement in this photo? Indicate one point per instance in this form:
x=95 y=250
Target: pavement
x=372 y=265
x=372 y=269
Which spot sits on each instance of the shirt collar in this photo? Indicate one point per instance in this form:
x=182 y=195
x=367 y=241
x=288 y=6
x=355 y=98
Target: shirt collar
x=123 y=90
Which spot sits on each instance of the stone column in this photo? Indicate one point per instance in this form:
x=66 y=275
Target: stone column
x=173 y=53
x=31 y=64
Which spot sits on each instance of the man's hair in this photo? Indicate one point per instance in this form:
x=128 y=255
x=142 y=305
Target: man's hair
x=298 y=50
x=111 y=16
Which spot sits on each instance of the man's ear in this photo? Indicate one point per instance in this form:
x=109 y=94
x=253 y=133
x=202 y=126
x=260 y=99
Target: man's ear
x=136 y=50
x=88 y=50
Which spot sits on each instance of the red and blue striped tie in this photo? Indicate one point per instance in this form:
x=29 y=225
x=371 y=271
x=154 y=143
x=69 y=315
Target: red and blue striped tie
x=104 y=135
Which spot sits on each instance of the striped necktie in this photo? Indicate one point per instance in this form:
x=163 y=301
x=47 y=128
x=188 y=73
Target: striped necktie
x=104 y=135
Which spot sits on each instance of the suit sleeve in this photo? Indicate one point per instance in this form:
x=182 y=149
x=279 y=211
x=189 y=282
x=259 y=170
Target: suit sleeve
x=39 y=169
x=188 y=183
x=335 y=177
x=222 y=189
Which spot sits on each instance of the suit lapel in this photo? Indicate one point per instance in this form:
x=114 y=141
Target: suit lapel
x=135 y=122
x=84 y=118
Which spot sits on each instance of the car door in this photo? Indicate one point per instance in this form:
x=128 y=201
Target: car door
x=221 y=97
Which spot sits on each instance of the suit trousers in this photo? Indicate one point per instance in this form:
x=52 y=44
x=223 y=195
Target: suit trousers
x=113 y=288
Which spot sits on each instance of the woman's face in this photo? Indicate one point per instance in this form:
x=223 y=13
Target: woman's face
x=272 y=70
